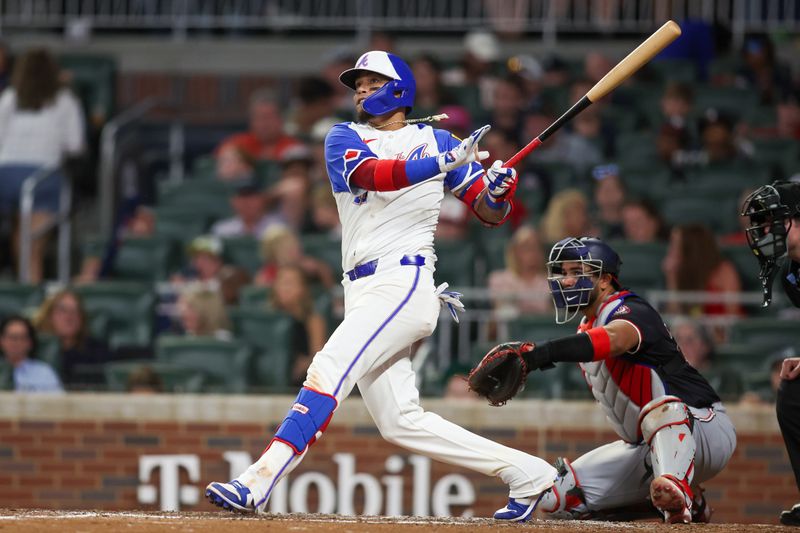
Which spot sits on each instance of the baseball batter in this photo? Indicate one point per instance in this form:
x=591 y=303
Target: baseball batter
x=674 y=429
x=389 y=178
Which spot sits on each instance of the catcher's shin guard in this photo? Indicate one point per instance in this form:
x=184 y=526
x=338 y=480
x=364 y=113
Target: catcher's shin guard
x=666 y=427
x=565 y=499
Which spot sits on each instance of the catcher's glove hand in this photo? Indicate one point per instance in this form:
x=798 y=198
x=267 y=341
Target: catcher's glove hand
x=501 y=373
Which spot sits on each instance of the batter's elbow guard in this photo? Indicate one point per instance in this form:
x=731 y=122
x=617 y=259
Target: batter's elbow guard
x=306 y=420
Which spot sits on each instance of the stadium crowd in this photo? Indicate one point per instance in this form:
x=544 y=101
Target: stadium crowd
x=243 y=254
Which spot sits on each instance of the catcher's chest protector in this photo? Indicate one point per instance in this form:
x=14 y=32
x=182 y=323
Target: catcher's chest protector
x=620 y=386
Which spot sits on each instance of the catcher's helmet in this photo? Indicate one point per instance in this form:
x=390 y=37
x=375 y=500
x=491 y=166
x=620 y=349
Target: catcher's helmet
x=590 y=252
x=397 y=93
x=770 y=209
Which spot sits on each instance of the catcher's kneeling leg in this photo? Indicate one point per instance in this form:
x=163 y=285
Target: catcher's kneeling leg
x=666 y=426
x=565 y=499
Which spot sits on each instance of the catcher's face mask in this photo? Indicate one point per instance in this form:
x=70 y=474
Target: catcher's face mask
x=572 y=274
x=766 y=234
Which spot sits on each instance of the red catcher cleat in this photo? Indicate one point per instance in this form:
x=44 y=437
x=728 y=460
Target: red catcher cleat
x=669 y=497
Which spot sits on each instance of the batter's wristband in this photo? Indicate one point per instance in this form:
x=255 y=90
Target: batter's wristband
x=495 y=205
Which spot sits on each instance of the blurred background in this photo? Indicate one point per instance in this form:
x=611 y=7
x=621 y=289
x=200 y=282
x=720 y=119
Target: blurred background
x=169 y=226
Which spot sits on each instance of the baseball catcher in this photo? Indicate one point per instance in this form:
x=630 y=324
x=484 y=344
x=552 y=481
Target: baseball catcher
x=673 y=428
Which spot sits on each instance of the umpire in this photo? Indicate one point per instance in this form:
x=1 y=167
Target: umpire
x=774 y=236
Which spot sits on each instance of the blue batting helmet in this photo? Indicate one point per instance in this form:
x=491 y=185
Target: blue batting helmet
x=397 y=93
x=595 y=257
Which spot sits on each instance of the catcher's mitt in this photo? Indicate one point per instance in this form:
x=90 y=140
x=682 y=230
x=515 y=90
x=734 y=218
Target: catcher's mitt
x=501 y=373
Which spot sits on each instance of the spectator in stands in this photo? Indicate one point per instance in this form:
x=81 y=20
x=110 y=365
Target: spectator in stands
x=280 y=247
x=202 y=313
x=266 y=140
x=695 y=343
x=324 y=212
x=671 y=143
x=508 y=105
x=315 y=101
x=521 y=288
x=458 y=121
x=563 y=146
x=455 y=383
x=595 y=66
x=474 y=76
x=291 y=195
x=431 y=92
x=18 y=344
x=694 y=263
x=334 y=63
x=318 y=171
x=642 y=222
x=739 y=237
x=719 y=144
x=788 y=116
x=556 y=73
x=205 y=261
x=63 y=316
x=567 y=214
x=768 y=396
x=609 y=197
x=249 y=204
x=676 y=106
x=233 y=163
x=144 y=380
x=533 y=183
x=292 y=295
x=762 y=72
x=453 y=222
x=231 y=280
x=589 y=125
x=140 y=223
x=41 y=125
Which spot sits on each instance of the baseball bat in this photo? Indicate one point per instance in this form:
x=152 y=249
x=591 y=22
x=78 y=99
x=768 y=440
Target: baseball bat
x=621 y=71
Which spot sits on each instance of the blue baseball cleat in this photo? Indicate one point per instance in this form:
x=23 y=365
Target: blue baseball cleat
x=516 y=511
x=232 y=496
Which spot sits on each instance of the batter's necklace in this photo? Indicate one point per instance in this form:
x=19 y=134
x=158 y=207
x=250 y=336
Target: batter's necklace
x=432 y=118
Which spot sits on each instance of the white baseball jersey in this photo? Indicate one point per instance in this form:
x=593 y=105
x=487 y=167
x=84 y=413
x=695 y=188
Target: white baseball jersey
x=376 y=224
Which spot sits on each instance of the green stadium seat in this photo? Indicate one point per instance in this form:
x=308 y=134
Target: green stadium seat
x=738 y=356
x=254 y=297
x=270 y=334
x=774 y=151
x=19 y=298
x=208 y=198
x=93 y=78
x=669 y=70
x=176 y=378
x=226 y=364
x=746 y=265
x=242 y=252
x=269 y=172
x=145 y=259
x=455 y=264
x=767 y=332
x=6 y=376
x=728 y=382
x=729 y=99
x=681 y=209
x=538 y=328
x=327 y=250
x=204 y=168
x=129 y=308
x=493 y=251
x=179 y=224
x=641 y=264
x=49 y=351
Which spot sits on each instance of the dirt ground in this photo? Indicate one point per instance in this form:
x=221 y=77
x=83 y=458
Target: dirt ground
x=35 y=521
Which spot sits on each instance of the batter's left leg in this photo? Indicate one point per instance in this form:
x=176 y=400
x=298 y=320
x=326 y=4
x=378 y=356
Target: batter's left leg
x=392 y=398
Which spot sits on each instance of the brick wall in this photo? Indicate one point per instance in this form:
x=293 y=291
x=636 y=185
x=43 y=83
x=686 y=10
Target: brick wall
x=83 y=451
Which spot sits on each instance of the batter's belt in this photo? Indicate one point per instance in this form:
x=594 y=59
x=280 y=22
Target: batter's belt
x=370 y=267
